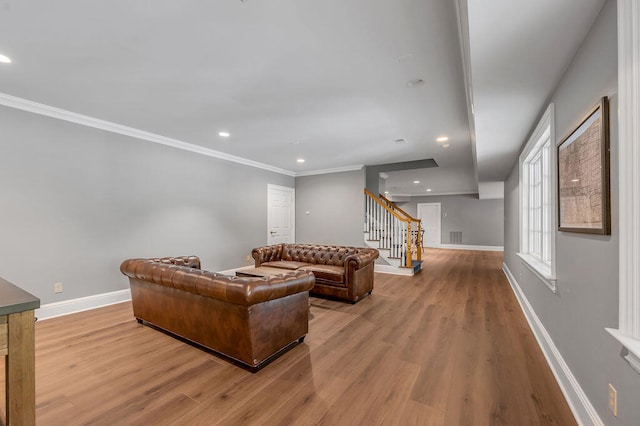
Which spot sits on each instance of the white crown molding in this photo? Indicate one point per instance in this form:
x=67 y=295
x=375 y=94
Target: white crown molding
x=351 y=168
x=96 y=123
x=66 y=307
x=431 y=194
x=583 y=410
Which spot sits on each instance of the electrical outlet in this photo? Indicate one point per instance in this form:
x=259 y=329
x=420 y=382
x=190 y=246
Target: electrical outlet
x=613 y=400
x=57 y=287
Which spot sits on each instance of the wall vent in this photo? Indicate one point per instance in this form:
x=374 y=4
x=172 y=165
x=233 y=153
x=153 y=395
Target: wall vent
x=455 y=237
x=399 y=141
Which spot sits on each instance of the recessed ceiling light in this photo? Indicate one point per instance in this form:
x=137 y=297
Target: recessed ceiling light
x=224 y=134
x=442 y=139
x=575 y=180
x=416 y=181
x=5 y=59
x=300 y=160
x=415 y=83
x=428 y=189
x=386 y=192
x=445 y=145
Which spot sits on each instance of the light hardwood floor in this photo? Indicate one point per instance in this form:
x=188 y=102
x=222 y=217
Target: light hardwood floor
x=449 y=346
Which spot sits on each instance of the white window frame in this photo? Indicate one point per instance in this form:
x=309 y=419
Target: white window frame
x=628 y=331
x=538 y=162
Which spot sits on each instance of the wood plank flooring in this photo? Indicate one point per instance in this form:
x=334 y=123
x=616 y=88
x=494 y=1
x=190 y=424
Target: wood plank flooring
x=449 y=346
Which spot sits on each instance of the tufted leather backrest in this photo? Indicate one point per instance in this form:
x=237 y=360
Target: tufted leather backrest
x=245 y=291
x=188 y=261
x=317 y=254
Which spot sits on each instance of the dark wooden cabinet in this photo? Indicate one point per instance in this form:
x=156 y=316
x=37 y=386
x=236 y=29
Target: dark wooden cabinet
x=17 y=344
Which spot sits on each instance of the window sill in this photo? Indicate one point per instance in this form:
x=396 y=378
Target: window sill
x=631 y=344
x=540 y=269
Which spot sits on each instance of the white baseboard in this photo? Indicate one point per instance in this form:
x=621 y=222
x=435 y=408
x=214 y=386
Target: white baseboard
x=388 y=269
x=466 y=247
x=580 y=405
x=66 y=307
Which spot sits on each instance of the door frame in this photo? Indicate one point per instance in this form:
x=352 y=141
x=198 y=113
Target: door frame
x=292 y=209
x=420 y=206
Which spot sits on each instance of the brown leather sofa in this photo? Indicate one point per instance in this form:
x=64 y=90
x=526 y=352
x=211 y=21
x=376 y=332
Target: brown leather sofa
x=247 y=319
x=341 y=272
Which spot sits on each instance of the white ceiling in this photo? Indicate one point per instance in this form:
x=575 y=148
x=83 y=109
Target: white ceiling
x=441 y=181
x=321 y=80
x=518 y=53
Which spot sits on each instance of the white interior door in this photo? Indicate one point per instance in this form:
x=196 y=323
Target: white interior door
x=430 y=215
x=280 y=214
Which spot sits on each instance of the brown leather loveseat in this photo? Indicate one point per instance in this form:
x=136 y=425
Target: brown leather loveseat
x=247 y=319
x=342 y=272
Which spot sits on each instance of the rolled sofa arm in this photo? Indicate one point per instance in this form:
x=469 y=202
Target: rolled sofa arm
x=362 y=258
x=267 y=254
x=244 y=291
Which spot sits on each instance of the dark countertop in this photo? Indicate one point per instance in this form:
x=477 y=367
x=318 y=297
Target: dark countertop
x=14 y=299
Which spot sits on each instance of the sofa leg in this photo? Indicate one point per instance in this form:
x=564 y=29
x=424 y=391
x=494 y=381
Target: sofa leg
x=300 y=340
x=139 y=320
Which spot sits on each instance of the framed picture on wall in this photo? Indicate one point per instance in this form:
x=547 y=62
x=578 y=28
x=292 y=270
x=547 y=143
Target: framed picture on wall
x=583 y=175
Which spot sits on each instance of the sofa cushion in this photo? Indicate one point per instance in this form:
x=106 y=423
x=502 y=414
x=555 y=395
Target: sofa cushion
x=285 y=264
x=335 y=274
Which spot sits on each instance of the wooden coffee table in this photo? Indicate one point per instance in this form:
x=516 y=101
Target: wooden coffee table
x=262 y=271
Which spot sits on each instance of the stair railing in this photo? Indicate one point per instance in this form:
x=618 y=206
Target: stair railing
x=417 y=233
x=392 y=229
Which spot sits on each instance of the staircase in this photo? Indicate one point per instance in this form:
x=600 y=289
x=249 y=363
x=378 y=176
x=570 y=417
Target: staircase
x=396 y=235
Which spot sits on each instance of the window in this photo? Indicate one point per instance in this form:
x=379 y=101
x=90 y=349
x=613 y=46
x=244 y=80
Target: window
x=537 y=219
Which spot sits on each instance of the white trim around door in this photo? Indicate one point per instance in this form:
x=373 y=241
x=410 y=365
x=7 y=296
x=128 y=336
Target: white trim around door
x=281 y=224
x=433 y=231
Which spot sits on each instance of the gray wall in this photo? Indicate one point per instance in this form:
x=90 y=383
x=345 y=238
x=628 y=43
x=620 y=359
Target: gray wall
x=480 y=221
x=335 y=206
x=587 y=265
x=77 y=201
